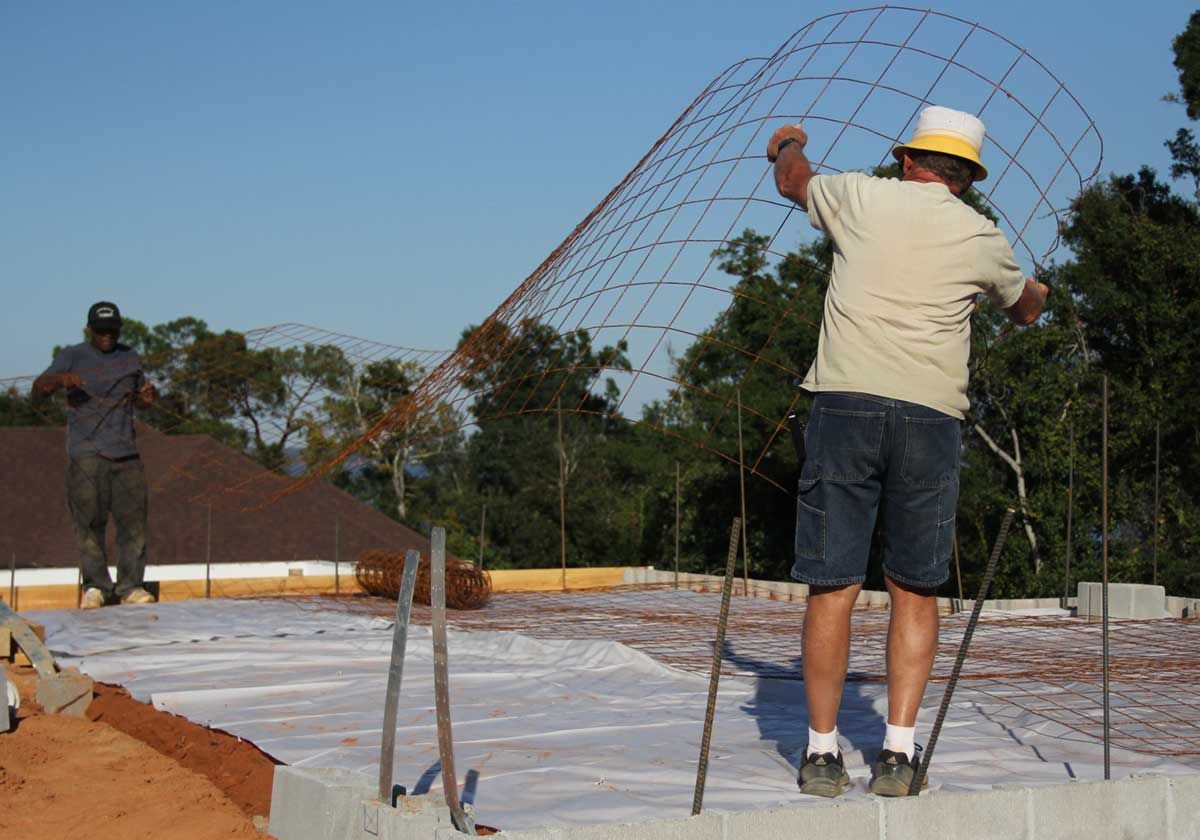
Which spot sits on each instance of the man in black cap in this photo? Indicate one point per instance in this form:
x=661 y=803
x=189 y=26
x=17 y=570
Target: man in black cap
x=104 y=382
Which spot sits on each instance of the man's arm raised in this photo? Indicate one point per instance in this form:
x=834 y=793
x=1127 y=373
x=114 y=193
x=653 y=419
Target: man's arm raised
x=792 y=169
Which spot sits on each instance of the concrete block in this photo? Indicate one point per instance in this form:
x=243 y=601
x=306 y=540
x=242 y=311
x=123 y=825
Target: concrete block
x=856 y=818
x=1125 y=600
x=413 y=818
x=706 y=826
x=5 y=713
x=1185 y=807
x=979 y=815
x=66 y=693
x=318 y=803
x=710 y=825
x=1101 y=810
x=1183 y=607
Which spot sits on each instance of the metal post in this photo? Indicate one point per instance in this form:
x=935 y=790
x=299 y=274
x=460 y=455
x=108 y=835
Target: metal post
x=1070 y=515
x=742 y=483
x=715 y=677
x=1104 y=584
x=1154 y=553
x=562 y=495
x=482 y=532
x=387 y=751
x=337 y=555
x=918 y=779
x=441 y=680
x=79 y=588
x=676 y=524
x=208 y=556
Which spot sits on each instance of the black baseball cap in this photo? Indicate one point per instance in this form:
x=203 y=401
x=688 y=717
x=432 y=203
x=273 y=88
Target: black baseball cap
x=104 y=316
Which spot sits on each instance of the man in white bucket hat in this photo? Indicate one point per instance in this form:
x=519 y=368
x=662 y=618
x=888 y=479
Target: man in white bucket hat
x=890 y=391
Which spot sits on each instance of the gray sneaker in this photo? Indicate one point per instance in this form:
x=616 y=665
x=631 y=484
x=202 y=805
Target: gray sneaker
x=823 y=774
x=894 y=772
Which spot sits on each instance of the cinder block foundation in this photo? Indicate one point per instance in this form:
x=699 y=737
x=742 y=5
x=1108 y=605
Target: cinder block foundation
x=308 y=804
x=330 y=804
x=1125 y=600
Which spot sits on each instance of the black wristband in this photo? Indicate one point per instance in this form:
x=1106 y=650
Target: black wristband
x=783 y=144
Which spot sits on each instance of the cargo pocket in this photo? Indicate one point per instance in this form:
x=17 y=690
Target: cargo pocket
x=947 y=507
x=810 y=525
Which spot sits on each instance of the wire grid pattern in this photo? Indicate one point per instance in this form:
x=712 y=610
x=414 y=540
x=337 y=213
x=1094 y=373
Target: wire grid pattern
x=1048 y=666
x=641 y=270
x=222 y=386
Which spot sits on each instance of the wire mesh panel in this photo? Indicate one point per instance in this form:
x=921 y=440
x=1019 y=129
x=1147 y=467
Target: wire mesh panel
x=641 y=276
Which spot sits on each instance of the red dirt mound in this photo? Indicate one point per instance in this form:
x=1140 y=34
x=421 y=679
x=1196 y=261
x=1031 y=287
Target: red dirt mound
x=238 y=769
x=65 y=777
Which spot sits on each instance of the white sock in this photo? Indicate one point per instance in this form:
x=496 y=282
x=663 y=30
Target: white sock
x=900 y=739
x=822 y=742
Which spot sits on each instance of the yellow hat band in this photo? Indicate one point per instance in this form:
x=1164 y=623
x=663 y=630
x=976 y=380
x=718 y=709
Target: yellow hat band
x=946 y=145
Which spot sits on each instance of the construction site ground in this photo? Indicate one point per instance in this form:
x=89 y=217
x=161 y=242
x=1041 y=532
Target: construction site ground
x=584 y=708
x=127 y=772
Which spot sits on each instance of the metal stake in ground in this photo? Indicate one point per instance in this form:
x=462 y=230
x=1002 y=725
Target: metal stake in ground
x=208 y=556
x=715 y=678
x=387 y=752
x=919 y=777
x=441 y=679
x=1104 y=584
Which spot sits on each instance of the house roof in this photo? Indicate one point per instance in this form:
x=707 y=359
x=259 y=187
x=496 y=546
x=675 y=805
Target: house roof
x=187 y=476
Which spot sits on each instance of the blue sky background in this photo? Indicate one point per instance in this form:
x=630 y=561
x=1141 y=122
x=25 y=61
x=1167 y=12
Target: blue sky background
x=394 y=170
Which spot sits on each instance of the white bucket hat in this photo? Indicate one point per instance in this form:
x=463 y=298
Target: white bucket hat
x=950 y=132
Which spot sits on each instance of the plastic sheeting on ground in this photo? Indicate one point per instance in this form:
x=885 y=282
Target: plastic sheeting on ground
x=546 y=731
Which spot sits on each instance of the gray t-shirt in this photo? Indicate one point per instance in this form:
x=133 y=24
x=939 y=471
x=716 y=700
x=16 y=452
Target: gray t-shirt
x=100 y=414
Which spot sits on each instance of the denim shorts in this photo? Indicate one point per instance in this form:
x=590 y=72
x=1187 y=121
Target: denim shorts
x=872 y=457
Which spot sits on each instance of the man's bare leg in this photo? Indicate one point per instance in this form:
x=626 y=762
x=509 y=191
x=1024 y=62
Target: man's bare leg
x=826 y=650
x=912 y=644
x=911 y=647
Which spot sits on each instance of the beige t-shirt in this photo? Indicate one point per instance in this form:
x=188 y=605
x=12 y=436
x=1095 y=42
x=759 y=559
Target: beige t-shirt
x=908 y=260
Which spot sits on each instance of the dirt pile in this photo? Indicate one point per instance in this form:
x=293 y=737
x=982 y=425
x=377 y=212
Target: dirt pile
x=65 y=777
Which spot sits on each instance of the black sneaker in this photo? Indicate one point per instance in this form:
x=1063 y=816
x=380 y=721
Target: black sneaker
x=823 y=774
x=894 y=771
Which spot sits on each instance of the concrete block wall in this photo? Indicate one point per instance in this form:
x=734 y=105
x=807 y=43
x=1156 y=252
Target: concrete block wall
x=1165 y=807
x=1125 y=600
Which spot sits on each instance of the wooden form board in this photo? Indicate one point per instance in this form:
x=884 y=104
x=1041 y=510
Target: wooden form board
x=551 y=580
x=65 y=596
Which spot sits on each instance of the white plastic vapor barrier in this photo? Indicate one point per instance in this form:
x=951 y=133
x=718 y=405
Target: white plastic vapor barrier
x=546 y=732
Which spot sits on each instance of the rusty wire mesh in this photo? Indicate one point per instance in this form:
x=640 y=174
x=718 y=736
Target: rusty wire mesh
x=379 y=572
x=640 y=271
x=1047 y=666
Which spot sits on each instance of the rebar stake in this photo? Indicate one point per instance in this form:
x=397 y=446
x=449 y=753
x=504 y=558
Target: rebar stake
x=387 y=749
x=918 y=779
x=715 y=678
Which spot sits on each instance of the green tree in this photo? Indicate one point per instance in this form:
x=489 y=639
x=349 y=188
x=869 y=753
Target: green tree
x=526 y=380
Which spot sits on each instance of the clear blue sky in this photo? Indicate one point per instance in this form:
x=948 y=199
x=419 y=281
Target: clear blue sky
x=393 y=170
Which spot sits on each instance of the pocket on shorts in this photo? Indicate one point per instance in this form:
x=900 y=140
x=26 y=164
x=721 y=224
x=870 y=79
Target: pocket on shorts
x=810 y=524
x=848 y=443
x=931 y=448
x=947 y=519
